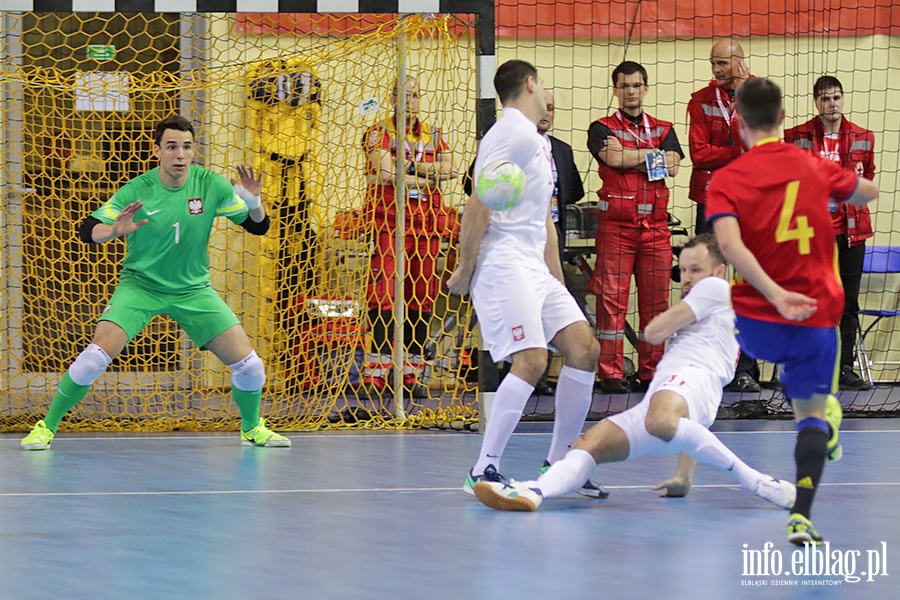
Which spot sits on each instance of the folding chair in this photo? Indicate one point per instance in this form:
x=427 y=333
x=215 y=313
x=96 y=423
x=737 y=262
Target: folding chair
x=883 y=260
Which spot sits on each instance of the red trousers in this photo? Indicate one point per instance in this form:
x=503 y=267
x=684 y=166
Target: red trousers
x=623 y=250
x=421 y=284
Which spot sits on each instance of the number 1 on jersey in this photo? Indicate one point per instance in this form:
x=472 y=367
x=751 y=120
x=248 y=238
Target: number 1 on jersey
x=177 y=227
x=802 y=232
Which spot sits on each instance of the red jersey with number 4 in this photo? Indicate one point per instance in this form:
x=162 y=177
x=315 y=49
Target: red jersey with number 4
x=779 y=195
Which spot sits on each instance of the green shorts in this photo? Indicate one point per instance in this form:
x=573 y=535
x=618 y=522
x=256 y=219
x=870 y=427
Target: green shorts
x=201 y=313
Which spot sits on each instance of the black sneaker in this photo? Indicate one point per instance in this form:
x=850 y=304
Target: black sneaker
x=544 y=388
x=851 y=381
x=635 y=384
x=742 y=382
x=613 y=386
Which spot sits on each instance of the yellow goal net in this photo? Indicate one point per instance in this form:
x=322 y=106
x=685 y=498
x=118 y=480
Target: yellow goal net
x=290 y=94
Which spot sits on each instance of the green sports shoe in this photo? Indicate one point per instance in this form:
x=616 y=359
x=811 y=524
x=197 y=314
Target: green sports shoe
x=264 y=437
x=834 y=415
x=801 y=531
x=39 y=438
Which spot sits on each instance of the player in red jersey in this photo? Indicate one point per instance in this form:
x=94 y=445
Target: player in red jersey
x=770 y=212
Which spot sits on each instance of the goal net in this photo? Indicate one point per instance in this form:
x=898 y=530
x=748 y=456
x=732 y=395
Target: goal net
x=291 y=95
x=575 y=44
x=294 y=95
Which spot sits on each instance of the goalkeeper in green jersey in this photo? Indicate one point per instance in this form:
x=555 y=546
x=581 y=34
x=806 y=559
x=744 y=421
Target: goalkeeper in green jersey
x=166 y=216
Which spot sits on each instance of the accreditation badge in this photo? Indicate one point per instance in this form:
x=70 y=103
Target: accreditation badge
x=656 y=165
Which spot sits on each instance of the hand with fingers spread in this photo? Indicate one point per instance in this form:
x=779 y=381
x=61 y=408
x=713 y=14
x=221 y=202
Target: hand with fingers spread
x=250 y=186
x=124 y=223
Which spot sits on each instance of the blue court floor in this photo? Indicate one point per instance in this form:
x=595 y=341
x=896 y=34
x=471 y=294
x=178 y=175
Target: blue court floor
x=381 y=515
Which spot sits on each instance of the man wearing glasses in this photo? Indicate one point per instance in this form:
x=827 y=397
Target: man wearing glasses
x=635 y=153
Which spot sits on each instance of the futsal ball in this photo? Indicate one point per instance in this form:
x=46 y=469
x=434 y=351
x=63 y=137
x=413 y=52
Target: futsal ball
x=501 y=184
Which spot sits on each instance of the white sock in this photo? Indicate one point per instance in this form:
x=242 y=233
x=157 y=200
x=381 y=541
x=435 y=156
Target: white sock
x=574 y=393
x=566 y=475
x=699 y=443
x=506 y=410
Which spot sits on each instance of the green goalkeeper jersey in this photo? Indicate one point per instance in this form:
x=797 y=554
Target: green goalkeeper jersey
x=170 y=253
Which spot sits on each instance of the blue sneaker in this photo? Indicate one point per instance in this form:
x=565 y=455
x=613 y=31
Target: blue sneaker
x=490 y=474
x=589 y=489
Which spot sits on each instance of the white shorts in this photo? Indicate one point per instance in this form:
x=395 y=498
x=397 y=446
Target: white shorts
x=699 y=387
x=520 y=308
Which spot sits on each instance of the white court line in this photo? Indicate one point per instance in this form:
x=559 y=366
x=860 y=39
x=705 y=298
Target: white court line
x=201 y=435
x=295 y=435
x=369 y=490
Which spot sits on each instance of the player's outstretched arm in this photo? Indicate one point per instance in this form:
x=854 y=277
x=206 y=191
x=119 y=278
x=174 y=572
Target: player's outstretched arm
x=123 y=225
x=663 y=326
x=866 y=191
x=791 y=305
x=680 y=485
x=475 y=219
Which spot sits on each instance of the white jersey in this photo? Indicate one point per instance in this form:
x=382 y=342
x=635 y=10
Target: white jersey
x=519 y=235
x=709 y=341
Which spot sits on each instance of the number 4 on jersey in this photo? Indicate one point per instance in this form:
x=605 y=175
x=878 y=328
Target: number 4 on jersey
x=802 y=232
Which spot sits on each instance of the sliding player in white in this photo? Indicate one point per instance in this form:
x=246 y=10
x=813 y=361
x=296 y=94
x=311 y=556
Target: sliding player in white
x=677 y=410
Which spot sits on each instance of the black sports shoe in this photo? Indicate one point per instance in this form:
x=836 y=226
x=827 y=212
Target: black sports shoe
x=613 y=386
x=849 y=380
x=544 y=388
x=742 y=382
x=635 y=384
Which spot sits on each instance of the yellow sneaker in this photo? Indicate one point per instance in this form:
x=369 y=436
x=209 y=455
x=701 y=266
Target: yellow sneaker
x=264 y=437
x=801 y=530
x=834 y=415
x=39 y=438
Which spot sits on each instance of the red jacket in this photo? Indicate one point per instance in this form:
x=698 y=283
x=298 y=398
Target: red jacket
x=426 y=213
x=628 y=195
x=856 y=147
x=714 y=138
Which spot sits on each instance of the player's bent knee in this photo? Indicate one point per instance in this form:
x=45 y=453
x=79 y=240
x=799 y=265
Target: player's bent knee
x=580 y=348
x=661 y=425
x=529 y=364
x=89 y=365
x=249 y=374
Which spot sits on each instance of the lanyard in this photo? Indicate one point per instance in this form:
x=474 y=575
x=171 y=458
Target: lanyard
x=831 y=149
x=725 y=113
x=630 y=128
x=420 y=150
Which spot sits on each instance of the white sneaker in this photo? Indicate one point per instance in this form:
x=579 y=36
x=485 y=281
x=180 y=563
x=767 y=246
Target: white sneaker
x=514 y=495
x=777 y=491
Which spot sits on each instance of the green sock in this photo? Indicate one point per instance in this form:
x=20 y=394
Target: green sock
x=68 y=395
x=248 y=404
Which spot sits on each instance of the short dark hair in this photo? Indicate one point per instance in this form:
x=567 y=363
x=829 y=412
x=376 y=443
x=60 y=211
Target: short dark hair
x=712 y=245
x=759 y=103
x=826 y=82
x=509 y=80
x=629 y=67
x=175 y=122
